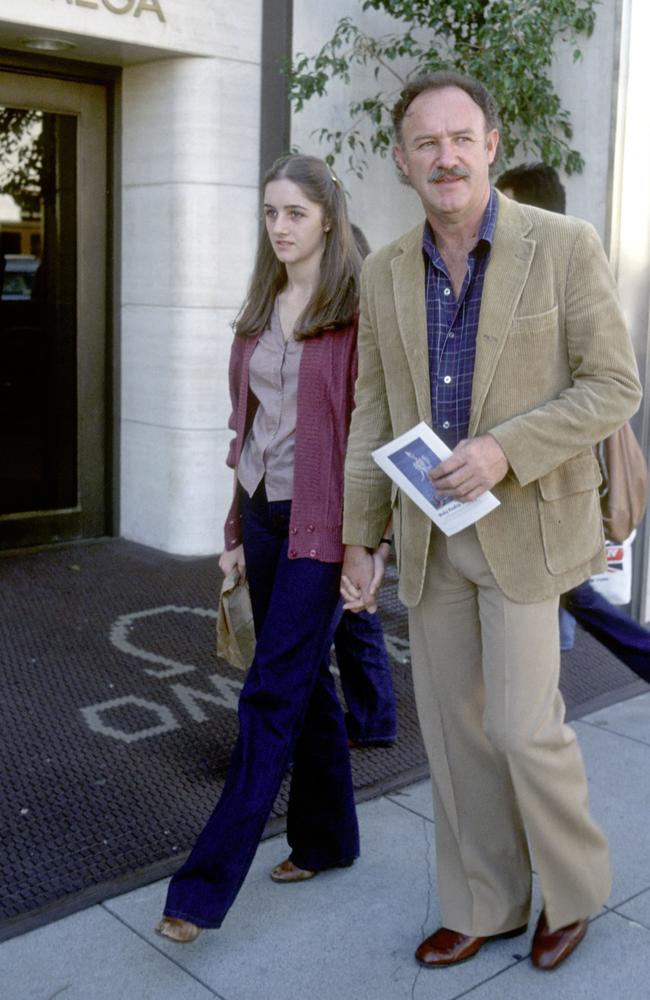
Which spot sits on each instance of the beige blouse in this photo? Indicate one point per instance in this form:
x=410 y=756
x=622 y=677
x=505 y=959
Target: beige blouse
x=269 y=447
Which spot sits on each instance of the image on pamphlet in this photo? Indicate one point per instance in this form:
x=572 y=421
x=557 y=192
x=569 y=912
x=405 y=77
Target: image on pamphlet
x=409 y=459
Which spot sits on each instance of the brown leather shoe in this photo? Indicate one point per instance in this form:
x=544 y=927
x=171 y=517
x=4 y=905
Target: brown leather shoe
x=550 y=948
x=446 y=947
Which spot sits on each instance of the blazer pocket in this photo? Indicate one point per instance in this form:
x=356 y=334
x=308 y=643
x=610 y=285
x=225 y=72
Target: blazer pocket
x=569 y=513
x=537 y=323
x=578 y=474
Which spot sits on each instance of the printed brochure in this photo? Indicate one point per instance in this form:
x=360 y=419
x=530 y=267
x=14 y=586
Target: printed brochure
x=409 y=459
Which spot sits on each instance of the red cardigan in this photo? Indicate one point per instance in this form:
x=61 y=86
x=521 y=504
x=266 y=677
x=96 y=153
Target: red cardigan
x=326 y=378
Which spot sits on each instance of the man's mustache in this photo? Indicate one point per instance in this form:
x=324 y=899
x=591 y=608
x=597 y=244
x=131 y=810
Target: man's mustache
x=442 y=172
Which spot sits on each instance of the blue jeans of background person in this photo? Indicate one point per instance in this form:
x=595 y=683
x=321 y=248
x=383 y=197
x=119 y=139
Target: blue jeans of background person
x=616 y=630
x=567 y=630
x=366 y=677
x=288 y=707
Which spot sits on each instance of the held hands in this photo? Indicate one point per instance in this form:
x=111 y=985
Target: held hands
x=229 y=559
x=361 y=577
x=474 y=466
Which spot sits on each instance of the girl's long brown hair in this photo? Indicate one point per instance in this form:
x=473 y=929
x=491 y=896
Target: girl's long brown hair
x=335 y=301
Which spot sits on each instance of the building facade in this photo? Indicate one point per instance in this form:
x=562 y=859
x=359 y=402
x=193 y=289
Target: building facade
x=135 y=132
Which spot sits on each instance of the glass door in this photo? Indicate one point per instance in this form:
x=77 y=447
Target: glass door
x=52 y=309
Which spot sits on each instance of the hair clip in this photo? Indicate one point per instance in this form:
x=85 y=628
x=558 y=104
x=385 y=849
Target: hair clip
x=335 y=179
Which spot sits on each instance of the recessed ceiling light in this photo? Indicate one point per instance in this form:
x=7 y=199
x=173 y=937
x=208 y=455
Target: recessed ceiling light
x=47 y=44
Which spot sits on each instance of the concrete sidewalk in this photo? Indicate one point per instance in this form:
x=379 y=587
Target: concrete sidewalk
x=351 y=934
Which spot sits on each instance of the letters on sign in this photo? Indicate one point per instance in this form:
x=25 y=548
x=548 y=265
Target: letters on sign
x=135 y=7
x=169 y=706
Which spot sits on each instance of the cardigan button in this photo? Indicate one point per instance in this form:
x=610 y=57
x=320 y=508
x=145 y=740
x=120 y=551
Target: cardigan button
x=310 y=527
x=293 y=553
x=312 y=553
x=293 y=531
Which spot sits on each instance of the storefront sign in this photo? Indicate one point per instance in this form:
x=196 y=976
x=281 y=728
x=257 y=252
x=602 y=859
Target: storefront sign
x=135 y=7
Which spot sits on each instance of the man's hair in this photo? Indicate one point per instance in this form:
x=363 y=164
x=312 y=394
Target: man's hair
x=438 y=81
x=535 y=184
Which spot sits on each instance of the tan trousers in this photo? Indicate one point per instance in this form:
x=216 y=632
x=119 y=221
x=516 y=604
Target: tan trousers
x=507 y=772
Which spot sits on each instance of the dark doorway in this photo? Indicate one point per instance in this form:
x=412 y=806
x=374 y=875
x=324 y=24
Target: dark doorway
x=52 y=310
x=38 y=335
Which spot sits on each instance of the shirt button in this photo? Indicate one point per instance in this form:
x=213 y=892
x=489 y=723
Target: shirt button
x=447 y=291
x=446 y=425
x=452 y=335
x=312 y=553
x=447 y=379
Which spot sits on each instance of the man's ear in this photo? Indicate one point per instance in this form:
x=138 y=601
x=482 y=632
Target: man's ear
x=400 y=159
x=491 y=144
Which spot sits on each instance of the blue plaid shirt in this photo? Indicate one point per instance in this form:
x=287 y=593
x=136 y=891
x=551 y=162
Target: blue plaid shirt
x=452 y=327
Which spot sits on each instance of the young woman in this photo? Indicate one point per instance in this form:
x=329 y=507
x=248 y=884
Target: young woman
x=292 y=374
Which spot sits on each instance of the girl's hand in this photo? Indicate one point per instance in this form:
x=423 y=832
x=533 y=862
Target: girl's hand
x=231 y=558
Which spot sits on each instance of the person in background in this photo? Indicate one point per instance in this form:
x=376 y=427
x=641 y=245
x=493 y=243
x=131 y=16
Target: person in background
x=538 y=184
x=366 y=679
x=497 y=324
x=534 y=184
x=362 y=658
x=293 y=366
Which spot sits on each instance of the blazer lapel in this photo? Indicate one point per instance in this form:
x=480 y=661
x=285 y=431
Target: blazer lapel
x=410 y=306
x=510 y=260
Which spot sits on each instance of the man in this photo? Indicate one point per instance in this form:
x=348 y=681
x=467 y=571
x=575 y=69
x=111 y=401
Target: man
x=498 y=324
x=538 y=184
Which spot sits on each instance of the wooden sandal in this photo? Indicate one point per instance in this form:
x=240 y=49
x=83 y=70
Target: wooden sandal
x=178 y=930
x=288 y=872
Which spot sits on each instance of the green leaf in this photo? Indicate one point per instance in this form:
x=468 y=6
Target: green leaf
x=508 y=44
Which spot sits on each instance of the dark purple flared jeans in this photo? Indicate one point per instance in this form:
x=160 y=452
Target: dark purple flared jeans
x=288 y=710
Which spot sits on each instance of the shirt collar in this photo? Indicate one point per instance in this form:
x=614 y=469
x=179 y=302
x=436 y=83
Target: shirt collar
x=485 y=233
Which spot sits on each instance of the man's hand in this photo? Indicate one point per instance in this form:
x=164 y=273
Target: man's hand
x=361 y=577
x=231 y=558
x=474 y=466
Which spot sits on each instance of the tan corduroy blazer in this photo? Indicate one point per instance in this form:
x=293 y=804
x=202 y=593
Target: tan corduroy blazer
x=555 y=373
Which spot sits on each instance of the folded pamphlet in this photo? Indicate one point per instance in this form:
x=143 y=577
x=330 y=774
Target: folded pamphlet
x=409 y=459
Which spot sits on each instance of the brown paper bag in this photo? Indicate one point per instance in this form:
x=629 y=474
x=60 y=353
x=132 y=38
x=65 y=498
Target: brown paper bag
x=235 y=628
